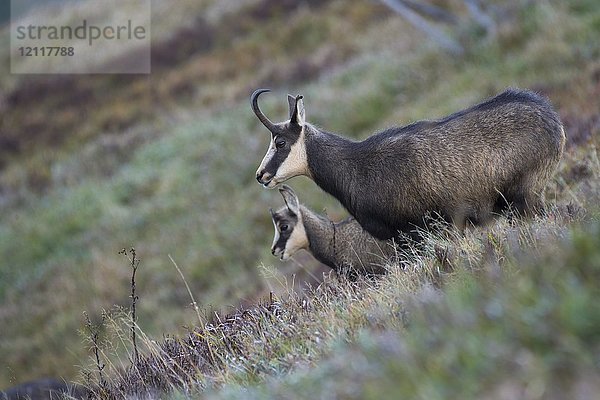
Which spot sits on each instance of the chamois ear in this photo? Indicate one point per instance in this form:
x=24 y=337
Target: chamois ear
x=296 y=110
x=290 y=199
x=291 y=104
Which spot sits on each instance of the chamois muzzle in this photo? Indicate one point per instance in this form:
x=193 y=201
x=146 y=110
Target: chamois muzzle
x=278 y=252
x=264 y=178
x=254 y=100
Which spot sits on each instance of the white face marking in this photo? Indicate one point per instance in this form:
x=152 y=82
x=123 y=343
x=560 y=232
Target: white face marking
x=266 y=159
x=296 y=163
x=276 y=237
x=296 y=242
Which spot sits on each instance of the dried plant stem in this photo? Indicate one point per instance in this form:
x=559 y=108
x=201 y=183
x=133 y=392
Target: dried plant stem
x=93 y=331
x=134 y=262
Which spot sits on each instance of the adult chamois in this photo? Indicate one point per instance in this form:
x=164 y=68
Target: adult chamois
x=463 y=167
x=343 y=246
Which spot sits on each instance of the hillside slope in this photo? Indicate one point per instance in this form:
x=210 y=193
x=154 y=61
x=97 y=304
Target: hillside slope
x=503 y=312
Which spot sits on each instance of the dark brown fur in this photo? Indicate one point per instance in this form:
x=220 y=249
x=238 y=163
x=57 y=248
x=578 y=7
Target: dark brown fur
x=464 y=167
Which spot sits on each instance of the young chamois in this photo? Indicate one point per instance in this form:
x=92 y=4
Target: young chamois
x=343 y=246
x=464 y=167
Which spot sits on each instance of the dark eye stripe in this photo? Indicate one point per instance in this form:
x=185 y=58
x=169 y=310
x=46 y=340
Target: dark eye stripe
x=277 y=160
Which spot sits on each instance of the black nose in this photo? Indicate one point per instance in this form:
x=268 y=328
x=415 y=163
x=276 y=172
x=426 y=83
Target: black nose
x=273 y=251
x=259 y=176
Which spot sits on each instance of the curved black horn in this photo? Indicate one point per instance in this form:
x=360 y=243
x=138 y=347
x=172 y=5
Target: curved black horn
x=254 y=100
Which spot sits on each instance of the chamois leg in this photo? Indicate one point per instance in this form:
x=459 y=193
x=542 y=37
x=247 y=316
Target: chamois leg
x=473 y=215
x=481 y=217
x=523 y=205
x=528 y=198
x=530 y=205
x=462 y=216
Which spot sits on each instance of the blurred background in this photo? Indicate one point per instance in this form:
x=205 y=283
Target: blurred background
x=165 y=162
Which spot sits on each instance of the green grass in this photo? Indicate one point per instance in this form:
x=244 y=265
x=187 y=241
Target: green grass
x=532 y=329
x=514 y=315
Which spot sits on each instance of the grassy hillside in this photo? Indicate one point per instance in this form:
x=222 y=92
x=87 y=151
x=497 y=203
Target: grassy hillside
x=506 y=312
x=165 y=163
x=522 y=327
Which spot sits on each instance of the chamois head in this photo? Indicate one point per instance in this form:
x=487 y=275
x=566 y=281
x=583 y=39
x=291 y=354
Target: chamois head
x=286 y=155
x=290 y=235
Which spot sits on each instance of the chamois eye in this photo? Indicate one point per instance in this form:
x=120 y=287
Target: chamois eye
x=280 y=143
x=283 y=228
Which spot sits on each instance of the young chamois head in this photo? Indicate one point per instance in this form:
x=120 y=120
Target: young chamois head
x=290 y=235
x=286 y=155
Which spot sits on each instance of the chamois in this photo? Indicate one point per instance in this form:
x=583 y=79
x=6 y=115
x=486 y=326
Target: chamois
x=464 y=167
x=343 y=246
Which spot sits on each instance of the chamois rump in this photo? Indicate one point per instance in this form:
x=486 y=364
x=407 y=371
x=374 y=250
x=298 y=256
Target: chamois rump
x=464 y=167
x=343 y=246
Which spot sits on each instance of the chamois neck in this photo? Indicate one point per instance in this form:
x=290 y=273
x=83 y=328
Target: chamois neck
x=327 y=155
x=320 y=233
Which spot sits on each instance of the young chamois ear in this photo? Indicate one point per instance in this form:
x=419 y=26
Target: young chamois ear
x=297 y=114
x=290 y=199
